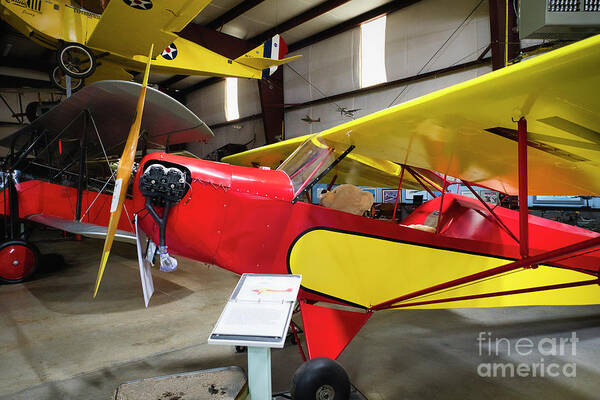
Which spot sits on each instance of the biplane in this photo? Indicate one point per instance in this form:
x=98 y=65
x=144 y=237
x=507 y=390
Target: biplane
x=108 y=45
x=530 y=128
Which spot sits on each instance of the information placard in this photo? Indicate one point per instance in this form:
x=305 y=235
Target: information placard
x=258 y=312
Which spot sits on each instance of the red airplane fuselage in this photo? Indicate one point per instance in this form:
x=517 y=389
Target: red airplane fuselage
x=243 y=219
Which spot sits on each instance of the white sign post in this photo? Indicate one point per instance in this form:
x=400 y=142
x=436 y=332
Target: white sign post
x=258 y=315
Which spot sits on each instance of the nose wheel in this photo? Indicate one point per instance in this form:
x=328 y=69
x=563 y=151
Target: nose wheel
x=18 y=261
x=320 y=379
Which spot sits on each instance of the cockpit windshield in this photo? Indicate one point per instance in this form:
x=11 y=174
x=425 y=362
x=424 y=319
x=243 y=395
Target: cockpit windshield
x=307 y=163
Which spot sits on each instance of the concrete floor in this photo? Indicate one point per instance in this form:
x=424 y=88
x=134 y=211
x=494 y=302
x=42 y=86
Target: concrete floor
x=56 y=342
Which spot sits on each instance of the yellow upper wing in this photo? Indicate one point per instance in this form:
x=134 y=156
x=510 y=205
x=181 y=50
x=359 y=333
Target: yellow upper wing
x=467 y=130
x=129 y=27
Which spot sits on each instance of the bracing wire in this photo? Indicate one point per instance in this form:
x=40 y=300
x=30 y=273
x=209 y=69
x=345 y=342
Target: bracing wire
x=438 y=50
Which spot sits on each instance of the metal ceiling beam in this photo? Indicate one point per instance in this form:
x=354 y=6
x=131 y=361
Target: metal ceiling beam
x=10 y=82
x=380 y=11
x=232 y=14
x=498 y=33
x=271 y=102
x=299 y=19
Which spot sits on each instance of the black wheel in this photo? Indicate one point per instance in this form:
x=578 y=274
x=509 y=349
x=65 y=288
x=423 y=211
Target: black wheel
x=59 y=79
x=320 y=379
x=76 y=60
x=18 y=261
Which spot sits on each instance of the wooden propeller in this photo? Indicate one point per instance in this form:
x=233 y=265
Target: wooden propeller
x=123 y=175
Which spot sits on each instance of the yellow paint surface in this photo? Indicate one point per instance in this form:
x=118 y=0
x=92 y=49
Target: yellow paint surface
x=126 y=33
x=368 y=271
x=445 y=131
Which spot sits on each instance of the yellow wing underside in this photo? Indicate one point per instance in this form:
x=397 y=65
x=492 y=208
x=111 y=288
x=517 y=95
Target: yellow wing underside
x=467 y=130
x=129 y=31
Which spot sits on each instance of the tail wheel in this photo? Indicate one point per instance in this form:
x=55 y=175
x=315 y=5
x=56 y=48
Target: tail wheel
x=320 y=379
x=59 y=79
x=76 y=60
x=18 y=261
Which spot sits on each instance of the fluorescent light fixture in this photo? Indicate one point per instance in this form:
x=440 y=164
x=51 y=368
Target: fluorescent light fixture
x=372 y=52
x=231 y=99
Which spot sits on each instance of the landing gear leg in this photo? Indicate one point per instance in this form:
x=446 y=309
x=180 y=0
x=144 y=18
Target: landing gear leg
x=167 y=263
x=320 y=379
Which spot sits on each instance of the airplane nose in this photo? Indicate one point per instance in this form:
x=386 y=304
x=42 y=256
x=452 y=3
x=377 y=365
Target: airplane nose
x=163 y=186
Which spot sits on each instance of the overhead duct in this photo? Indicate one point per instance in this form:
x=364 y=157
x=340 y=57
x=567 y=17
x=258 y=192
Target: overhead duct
x=558 y=19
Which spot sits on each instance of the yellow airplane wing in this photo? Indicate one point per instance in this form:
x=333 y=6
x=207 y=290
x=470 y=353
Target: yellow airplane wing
x=468 y=130
x=355 y=169
x=129 y=27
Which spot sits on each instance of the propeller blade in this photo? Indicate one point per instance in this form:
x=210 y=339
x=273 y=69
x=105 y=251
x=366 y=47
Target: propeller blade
x=123 y=175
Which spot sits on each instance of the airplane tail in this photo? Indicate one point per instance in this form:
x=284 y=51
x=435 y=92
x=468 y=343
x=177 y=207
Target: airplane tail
x=268 y=56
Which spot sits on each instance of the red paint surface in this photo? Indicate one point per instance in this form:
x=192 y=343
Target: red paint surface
x=328 y=331
x=16 y=262
x=242 y=219
x=38 y=197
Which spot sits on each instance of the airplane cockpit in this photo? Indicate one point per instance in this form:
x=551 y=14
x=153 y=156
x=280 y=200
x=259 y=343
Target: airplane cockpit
x=311 y=163
x=306 y=165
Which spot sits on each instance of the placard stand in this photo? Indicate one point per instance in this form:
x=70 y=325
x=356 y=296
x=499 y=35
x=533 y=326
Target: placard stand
x=258 y=315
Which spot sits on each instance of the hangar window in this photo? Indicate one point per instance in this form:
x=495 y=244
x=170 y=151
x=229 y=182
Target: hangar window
x=231 y=99
x=372 y=52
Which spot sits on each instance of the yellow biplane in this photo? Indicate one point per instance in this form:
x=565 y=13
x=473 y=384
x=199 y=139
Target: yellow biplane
x=121 y=35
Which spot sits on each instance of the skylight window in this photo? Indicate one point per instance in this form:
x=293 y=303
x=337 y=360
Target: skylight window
x=372 y=52
x=231 y=99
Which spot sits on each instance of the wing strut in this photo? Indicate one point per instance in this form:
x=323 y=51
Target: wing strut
x=523 y=207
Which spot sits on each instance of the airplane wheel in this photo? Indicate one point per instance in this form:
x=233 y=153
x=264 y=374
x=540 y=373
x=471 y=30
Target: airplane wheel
x=321 y=379
x=76 y=60
x=18 y=261
x=59 y=79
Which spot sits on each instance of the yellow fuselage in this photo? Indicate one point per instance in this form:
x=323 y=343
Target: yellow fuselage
x=50 y=22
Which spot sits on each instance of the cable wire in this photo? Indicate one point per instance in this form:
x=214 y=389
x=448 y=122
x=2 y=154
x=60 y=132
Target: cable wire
x=438 y=50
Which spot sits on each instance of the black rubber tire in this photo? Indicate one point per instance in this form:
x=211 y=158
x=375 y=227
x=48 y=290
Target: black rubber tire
x=54 y=72
x=36 y=255
x=89 y=54
x=320 y=379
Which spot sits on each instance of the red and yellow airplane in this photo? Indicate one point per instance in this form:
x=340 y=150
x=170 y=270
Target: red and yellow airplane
x=531 y=128
x=106 y=46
